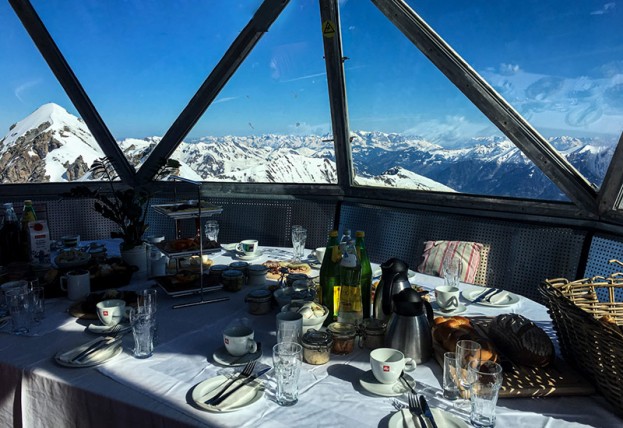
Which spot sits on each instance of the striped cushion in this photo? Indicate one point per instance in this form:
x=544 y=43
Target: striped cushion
x=435 y=251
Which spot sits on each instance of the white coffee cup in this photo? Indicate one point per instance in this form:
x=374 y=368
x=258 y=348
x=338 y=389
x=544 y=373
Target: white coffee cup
x=77 y=284
x=111 y=312
x=289 y=327
x=387 y=364
x=447 y=297
x=238 y=340
x=248 y=247
x=319 y=253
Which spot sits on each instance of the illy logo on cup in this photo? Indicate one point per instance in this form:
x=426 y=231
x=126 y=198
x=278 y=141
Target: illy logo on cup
x=385 y=368
x=226 y=341
x=105 y=313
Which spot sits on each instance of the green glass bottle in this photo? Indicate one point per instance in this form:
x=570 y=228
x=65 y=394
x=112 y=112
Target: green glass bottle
x=366 y=273
x=351 y=308
x=28 y=215
x=329 y=277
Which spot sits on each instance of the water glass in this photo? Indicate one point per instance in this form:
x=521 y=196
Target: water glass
x=299 y=237
x=147 y=302
x=20 y=309
x=142 y=330
x=451 y=270
x=37 y=296
x=450 y=379
x=467 y=352
x=211 y=230
x=486 y=380
x=287 y=359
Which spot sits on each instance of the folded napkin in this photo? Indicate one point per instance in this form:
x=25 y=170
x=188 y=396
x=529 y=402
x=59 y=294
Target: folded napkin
x=409 y=420
x=500 y=298
x=240 y=397
x=99 y=355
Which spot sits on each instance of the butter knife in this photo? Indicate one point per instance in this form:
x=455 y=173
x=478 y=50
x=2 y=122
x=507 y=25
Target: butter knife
x=426 y=410
x=91 y=349
x=240 y=385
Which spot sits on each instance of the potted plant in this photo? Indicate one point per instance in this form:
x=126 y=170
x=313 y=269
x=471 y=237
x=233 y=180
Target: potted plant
x=127 y=208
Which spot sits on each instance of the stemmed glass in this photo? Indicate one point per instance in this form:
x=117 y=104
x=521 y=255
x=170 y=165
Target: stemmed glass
x=299 y=236
x=467 y=352
x=451 y=267
x=211 y=230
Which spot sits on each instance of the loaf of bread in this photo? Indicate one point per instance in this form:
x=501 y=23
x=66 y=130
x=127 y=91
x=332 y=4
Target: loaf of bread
x=447 y=331
x=521 y=340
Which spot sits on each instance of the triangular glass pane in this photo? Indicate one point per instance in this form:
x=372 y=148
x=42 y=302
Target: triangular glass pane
x=41 y=138
x=139 y=61
x=557 y=62
x=413 y=129
x=271 y=122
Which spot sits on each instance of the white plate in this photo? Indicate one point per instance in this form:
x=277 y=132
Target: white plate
x=370 y=384
x=438 y=311
x=442 y=419
x=472 y=295
x=99 y=357
x=377 y=273
x=257 y=254
x=201 y=391
x=104 y=329
x=224 y=358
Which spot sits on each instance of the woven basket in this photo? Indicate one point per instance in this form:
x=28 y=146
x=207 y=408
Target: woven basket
x=594 y=346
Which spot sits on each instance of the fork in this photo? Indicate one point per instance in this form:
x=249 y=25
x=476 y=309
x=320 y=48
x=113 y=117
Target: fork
x=248 y=369
x=414 y=408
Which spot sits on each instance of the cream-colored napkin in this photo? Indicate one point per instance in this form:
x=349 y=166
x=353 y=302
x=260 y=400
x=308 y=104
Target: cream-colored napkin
x=408 y=420
x=499 y=298
x=99 y=355
x=238 y=398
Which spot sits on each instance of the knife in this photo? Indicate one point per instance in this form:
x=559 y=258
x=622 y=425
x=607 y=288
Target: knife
x=426 y=410
x=484 y=294
x=243 y=383
x=91 y=349
x=497 y=291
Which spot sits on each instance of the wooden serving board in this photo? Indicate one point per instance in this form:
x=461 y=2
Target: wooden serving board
x=557 y=379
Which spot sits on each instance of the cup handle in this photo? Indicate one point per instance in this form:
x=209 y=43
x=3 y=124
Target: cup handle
x=238 y=247
x=251 y=346
x=126 y=313
x=410 y=364
x=63 y=280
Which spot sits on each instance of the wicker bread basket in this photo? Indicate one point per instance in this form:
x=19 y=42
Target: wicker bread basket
x=594 y=345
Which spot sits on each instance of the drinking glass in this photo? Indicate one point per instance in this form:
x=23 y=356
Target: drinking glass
x=299 y=237
x=142 y=330
x=467 y=352
x=450 y=380
x=485 y=382
x=211 y=230
x=147 y=302
x=451 y=270
x=287 y=359
x=18 y=301
x=37 y=296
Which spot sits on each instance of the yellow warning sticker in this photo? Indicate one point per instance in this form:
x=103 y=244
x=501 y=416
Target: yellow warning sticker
x=328 y=29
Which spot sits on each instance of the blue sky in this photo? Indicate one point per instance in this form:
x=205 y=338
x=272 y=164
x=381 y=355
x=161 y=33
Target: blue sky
x=559 y=63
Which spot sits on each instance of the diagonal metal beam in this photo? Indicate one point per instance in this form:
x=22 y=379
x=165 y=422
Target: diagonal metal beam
x=264 y=17
x=334 y=60
x=70 y=83
x=487 y=100
x=611 y=192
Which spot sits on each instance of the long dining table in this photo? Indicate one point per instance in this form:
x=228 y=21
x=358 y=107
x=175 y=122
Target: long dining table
x=35 y=391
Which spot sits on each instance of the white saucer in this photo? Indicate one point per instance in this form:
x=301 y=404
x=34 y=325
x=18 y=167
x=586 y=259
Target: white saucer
x=370 y=384
x=442 y=419
x=245 y=396
x=104 y=329
x=473 y=294
x=224 y=358
x=257 y=254
x=438 y=311
x=99 y=357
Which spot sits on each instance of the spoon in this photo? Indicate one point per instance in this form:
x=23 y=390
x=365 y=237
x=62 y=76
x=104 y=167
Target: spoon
x=406 y=381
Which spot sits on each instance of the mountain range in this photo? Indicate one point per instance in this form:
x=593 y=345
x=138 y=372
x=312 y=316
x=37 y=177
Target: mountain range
x=52 y=145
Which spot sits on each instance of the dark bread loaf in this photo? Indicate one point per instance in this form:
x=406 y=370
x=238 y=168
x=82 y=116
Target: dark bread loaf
x=521 y=340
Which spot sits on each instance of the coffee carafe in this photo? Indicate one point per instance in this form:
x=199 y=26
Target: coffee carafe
x=409 y=328
x=394 y=279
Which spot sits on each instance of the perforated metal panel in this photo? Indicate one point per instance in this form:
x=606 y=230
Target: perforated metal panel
x=604 y=248
x=519 y=255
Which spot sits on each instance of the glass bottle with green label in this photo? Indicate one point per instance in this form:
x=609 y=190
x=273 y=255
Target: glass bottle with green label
x=351 y=308
x=366 y=272
x=329 y=275
x=28 y=215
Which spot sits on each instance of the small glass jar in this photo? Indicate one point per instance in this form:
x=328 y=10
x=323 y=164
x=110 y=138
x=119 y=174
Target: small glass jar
x=295 y=277
x=232 y=280
x=372 y=334
x=343 y=337
x=316 y=346
x=215 y=273
x=256 y=275
x=241 y=266
x=259 y=301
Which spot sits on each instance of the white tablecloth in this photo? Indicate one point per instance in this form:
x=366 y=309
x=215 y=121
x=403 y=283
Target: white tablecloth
x=156 y=391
